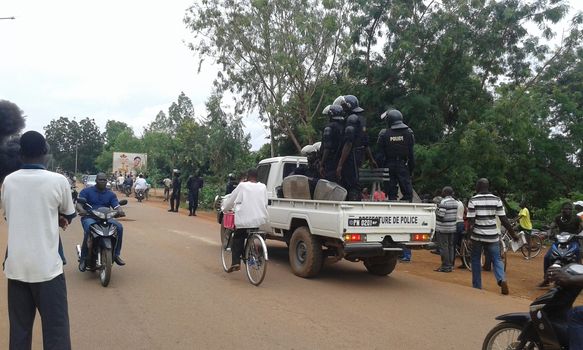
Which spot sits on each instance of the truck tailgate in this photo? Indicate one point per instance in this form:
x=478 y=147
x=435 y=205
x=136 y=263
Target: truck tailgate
x=379 y=219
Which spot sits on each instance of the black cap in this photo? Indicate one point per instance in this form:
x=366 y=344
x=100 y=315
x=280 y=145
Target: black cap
x=33 y=144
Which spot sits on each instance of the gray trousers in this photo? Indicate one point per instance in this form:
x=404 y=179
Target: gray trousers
x=446 y=249
x=50 y=298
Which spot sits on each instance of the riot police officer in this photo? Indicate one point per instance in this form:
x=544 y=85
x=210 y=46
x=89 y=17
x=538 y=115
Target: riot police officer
x=361 y=147
x=396 y=142
x=331 y=142
x=347 y=169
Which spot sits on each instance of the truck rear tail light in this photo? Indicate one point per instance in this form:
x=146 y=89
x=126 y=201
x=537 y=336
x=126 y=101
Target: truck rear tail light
x=420 y=237
x=354 y=237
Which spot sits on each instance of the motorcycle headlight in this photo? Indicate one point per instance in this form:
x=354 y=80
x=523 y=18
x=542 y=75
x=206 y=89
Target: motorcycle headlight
x=99 y=214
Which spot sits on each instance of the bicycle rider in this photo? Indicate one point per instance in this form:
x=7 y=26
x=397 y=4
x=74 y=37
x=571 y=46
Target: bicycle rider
x=525 y=225
x=249 y=202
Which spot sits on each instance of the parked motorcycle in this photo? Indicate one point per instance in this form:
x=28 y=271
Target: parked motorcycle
x=544 y=327
x=101 y=240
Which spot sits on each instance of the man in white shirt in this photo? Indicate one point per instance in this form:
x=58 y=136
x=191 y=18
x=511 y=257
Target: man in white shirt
x=140 y=184
x=249 y=202
x=36 y=202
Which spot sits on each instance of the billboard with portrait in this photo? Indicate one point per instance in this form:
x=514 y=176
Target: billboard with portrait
x=129 y=163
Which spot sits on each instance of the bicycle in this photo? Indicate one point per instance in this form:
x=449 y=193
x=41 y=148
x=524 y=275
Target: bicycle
x=536 y=245
x=464 y=251
x=254 y=254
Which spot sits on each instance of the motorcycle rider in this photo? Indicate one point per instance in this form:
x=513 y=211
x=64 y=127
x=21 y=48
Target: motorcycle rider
x=99 y=196
x=396 y=143
x=140 y=185
x=565 y=222
x=128 y=182
x=331 y=142
x=575 y=318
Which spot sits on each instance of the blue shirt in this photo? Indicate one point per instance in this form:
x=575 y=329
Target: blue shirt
x=97 y=199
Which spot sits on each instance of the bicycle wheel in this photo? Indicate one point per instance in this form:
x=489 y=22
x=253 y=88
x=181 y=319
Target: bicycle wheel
x=466 y=253
x=536 y=245
x=226 y=238
x=256 y=259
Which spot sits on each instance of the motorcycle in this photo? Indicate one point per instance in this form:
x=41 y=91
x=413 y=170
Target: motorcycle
x=544 y=327
x=101 y=240
x=565 y=250
x=127 y=189
x=140 y=194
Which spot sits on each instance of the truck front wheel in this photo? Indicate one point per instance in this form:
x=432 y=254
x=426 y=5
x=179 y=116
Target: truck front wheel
x=305 y=253
x=381 y=266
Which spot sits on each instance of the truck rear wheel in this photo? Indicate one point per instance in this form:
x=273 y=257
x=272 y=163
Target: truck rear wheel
x=305 y=253
x=381 y=266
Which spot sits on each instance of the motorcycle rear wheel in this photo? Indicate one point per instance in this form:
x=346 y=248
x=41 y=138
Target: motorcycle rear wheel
x=105 y=270
x=505 y=336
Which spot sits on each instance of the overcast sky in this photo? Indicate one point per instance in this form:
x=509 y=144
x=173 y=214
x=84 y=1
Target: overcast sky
x=123 y=60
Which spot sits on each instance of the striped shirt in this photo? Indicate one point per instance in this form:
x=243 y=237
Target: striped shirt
x=446 y=215
x=485 y=208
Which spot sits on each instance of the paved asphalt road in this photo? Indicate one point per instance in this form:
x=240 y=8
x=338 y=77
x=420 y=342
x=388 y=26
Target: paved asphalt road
x=173 y=294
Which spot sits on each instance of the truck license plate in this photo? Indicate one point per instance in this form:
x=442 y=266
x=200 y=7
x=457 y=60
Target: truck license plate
x=364 y=222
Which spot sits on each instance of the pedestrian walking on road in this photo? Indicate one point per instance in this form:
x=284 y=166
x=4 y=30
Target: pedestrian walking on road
x=483 y=208
x=446 y=216
x=36 y=203
x=194 y=184
x=175 y=197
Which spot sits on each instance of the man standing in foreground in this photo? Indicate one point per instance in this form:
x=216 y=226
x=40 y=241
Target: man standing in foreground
x=482 y=211
x=36 y=202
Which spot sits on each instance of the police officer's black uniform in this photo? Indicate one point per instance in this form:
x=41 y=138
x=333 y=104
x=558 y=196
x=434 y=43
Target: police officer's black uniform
x=396 y=143
x=194 y=184
x=175 y=197
x=355 y=145
x=332 y=141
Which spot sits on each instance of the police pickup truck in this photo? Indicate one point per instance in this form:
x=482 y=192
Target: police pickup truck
x=323 y=231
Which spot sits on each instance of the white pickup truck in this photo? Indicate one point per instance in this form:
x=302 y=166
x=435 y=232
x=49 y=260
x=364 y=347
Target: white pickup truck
x=318 y=231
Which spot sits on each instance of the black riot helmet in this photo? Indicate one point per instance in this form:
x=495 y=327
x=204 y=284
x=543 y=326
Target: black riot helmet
x=334 y=112
x=349 y=103
x=352 y=104
x=394 y=119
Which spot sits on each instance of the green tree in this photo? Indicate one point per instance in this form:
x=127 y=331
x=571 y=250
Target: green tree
x=70 y=139
x=271 y=53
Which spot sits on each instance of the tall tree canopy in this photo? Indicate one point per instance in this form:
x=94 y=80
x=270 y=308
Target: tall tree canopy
x=272 y=52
